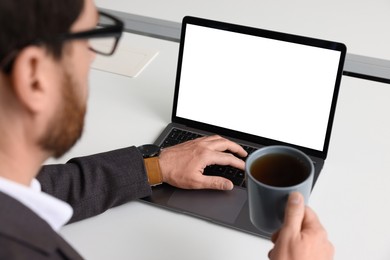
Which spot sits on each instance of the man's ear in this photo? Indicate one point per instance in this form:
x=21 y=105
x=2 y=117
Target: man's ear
x=28 y=77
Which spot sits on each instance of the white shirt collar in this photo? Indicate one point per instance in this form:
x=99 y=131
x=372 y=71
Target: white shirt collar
x=54 y=211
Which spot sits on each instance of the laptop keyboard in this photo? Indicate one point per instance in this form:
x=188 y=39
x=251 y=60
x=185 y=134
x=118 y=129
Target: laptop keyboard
x=177 y=136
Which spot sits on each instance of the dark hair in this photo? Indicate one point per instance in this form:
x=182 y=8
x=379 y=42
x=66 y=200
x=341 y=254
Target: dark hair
x=24 y=22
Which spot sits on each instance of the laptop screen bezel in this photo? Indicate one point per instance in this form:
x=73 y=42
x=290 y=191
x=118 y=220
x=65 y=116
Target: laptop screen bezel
x=266 y=34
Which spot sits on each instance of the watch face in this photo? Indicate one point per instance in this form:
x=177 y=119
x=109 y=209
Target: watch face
x=149 y=150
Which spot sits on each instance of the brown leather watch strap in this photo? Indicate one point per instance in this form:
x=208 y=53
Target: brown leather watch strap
x=153 y=171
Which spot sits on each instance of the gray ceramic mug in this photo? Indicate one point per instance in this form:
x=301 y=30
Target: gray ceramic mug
x=273 y=172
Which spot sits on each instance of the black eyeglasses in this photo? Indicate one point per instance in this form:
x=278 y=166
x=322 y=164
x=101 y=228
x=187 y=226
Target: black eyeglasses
x=103 y=39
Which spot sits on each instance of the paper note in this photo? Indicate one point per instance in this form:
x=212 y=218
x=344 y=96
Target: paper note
x=127 y=61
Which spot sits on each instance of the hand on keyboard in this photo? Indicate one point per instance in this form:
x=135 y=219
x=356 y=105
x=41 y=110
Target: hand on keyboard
x=183 y=165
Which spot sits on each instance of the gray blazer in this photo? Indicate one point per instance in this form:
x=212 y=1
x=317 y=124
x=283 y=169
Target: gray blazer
x=90 y=184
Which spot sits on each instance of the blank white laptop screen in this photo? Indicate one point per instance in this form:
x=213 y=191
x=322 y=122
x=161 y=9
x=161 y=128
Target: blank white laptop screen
x=264 y=87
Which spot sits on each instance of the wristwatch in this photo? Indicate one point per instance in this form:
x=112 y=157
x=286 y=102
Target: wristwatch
x=150 y=153
x=149 y=150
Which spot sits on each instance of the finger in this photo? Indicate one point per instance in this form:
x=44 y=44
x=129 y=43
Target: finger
x=275 y=236
x=221 y=144
x=270 y=254
x=210 y=137
x=214 y=183
x=311 y=220
x=221 y=158
x=295 y=212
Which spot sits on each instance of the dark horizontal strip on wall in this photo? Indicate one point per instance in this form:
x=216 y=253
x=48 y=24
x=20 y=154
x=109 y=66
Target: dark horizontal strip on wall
x=366 y=77
x=355 y=65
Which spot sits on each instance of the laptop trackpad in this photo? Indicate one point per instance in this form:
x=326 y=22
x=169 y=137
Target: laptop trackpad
x=219 y=205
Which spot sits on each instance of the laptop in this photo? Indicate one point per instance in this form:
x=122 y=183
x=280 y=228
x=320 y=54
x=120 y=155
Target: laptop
x=255 y=87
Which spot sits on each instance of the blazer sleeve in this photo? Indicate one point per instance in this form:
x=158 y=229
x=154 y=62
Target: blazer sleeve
x=93 y=184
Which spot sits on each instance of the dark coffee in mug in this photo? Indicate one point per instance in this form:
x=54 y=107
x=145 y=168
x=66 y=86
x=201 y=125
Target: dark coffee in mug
x=279 y=170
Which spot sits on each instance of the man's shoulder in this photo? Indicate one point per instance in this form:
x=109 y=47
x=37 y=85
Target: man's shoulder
x=11 y=248
x=22 y=230
x=24 y=235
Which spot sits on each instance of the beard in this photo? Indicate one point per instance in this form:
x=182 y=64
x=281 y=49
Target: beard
x=66 y=127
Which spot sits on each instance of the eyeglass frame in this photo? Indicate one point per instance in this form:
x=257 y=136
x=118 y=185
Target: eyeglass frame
x=115 y=31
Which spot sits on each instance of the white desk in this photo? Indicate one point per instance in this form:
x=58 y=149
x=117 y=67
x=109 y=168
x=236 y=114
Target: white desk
x=351 y=194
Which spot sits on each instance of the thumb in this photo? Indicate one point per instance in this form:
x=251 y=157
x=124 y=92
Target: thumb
x=294 y=213
x=215 y=183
